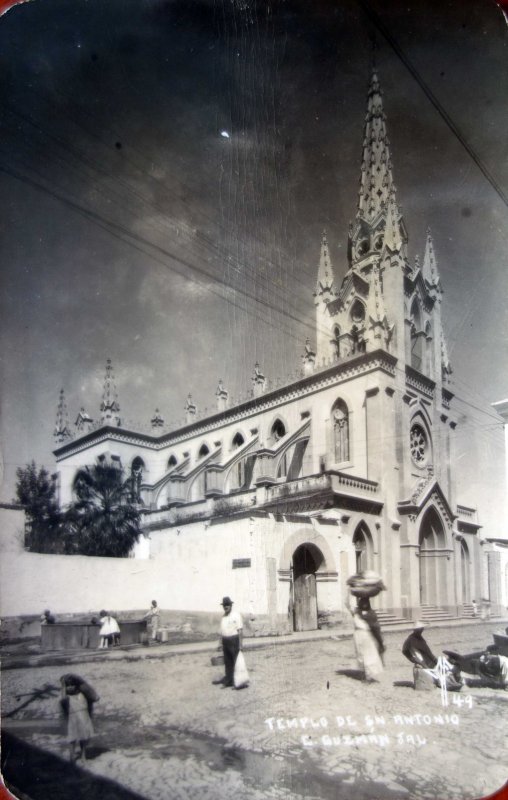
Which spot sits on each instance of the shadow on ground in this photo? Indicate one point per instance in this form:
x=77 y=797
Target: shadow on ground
x=39 y=775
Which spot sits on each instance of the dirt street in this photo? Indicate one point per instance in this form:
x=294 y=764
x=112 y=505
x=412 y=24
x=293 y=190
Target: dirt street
x=305 y=727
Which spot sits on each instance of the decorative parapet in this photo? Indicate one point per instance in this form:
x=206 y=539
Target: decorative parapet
x=334 y=375
x=420 y=382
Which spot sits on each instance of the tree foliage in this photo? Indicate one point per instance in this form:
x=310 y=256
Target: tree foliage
x=35 y=490
x=102 y=521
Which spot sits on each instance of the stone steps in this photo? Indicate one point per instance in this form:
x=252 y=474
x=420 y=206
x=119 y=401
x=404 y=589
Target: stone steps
x=431 y=614
x=386 y=618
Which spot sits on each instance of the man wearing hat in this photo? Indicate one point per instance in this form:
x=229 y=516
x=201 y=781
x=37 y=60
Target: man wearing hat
x=416 y=649
x=232 y=638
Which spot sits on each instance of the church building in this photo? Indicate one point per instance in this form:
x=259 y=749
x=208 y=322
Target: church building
x=277 y=500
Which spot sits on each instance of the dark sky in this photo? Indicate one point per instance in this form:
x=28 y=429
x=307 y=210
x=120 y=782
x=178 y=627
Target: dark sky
x=133 y=228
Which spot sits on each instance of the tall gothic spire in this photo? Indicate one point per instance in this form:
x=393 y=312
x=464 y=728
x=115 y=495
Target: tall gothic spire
x=376 y=179
x=110 y=407
x=62 y=430
x=325 y=272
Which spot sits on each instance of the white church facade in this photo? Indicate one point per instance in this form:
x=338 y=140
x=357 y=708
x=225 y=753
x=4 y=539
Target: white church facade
x=277 y=500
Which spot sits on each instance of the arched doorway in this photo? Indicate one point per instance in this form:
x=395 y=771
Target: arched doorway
x=464 y=572
x=307 y=559
x=431 y=541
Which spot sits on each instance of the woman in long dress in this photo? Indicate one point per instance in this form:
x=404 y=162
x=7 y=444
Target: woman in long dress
x=368 y=640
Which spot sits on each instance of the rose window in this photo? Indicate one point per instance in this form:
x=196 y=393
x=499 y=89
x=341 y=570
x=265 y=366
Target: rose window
x=419 y=445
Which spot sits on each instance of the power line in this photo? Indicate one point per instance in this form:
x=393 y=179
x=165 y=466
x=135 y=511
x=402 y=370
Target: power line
x=376 y=20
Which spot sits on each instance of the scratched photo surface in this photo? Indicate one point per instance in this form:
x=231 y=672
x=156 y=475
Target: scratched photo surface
x=254 y=254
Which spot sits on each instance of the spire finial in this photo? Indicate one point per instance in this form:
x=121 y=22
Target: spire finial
x=376 y=177
x=325 y=271
x=157 y=420
x=429 y=269
x=62 y=430
x=110 y=407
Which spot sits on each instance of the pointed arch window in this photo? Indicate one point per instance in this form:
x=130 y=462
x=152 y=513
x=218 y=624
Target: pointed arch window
x=238 y=440
x=362 y=543
x=172 y=462
x=340 y=420
x=203 y=451
x=358 y=312
x=278 y=431
x=419 y=443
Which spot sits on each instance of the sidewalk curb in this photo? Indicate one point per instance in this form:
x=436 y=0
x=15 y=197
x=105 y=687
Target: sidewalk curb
x=160 y=651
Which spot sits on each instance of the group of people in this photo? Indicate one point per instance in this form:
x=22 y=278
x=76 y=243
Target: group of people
x=110 y=630
x=428 y=670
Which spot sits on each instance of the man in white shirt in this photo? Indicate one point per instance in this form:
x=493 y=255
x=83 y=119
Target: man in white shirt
x=231 y=629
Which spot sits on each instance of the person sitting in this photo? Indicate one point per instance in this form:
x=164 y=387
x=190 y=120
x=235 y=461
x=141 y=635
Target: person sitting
x=48 y=618
x=495 y=667
x=416 y=649
x=429 y=671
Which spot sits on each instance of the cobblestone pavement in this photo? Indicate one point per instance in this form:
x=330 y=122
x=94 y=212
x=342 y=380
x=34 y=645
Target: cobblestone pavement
x=305 y=727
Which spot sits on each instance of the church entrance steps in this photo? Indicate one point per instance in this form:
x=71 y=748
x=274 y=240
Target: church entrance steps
x=434 y=614
x=386 y=618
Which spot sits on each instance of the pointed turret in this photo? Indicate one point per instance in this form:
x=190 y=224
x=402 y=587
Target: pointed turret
x=157 y=420
x=376 y=179
x=110 y=407
x=429 y=269
x=62 y=432
x=325 y=293
x=190 y=410
x=258 y=381
x=222 y=396
x=325 y=279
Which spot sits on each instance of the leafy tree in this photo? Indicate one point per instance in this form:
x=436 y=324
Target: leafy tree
x=102 y=521
x=35 y=490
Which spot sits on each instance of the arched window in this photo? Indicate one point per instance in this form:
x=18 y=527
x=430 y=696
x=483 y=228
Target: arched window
x=358 y=312
x=203 y=451
x=172 y=462
x=238 y=440
x=362 y=543
x=420 y=443
x=278 y=430
x=340 y=420
x=137 y=467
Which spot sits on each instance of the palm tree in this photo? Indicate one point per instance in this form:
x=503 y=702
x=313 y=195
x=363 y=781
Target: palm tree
x=102 y=520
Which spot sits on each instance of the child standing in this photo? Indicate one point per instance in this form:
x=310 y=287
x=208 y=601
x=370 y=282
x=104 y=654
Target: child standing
x=77 y=699
x=110 y=630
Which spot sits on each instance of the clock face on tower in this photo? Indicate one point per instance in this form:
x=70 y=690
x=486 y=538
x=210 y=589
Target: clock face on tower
x=419 y=445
